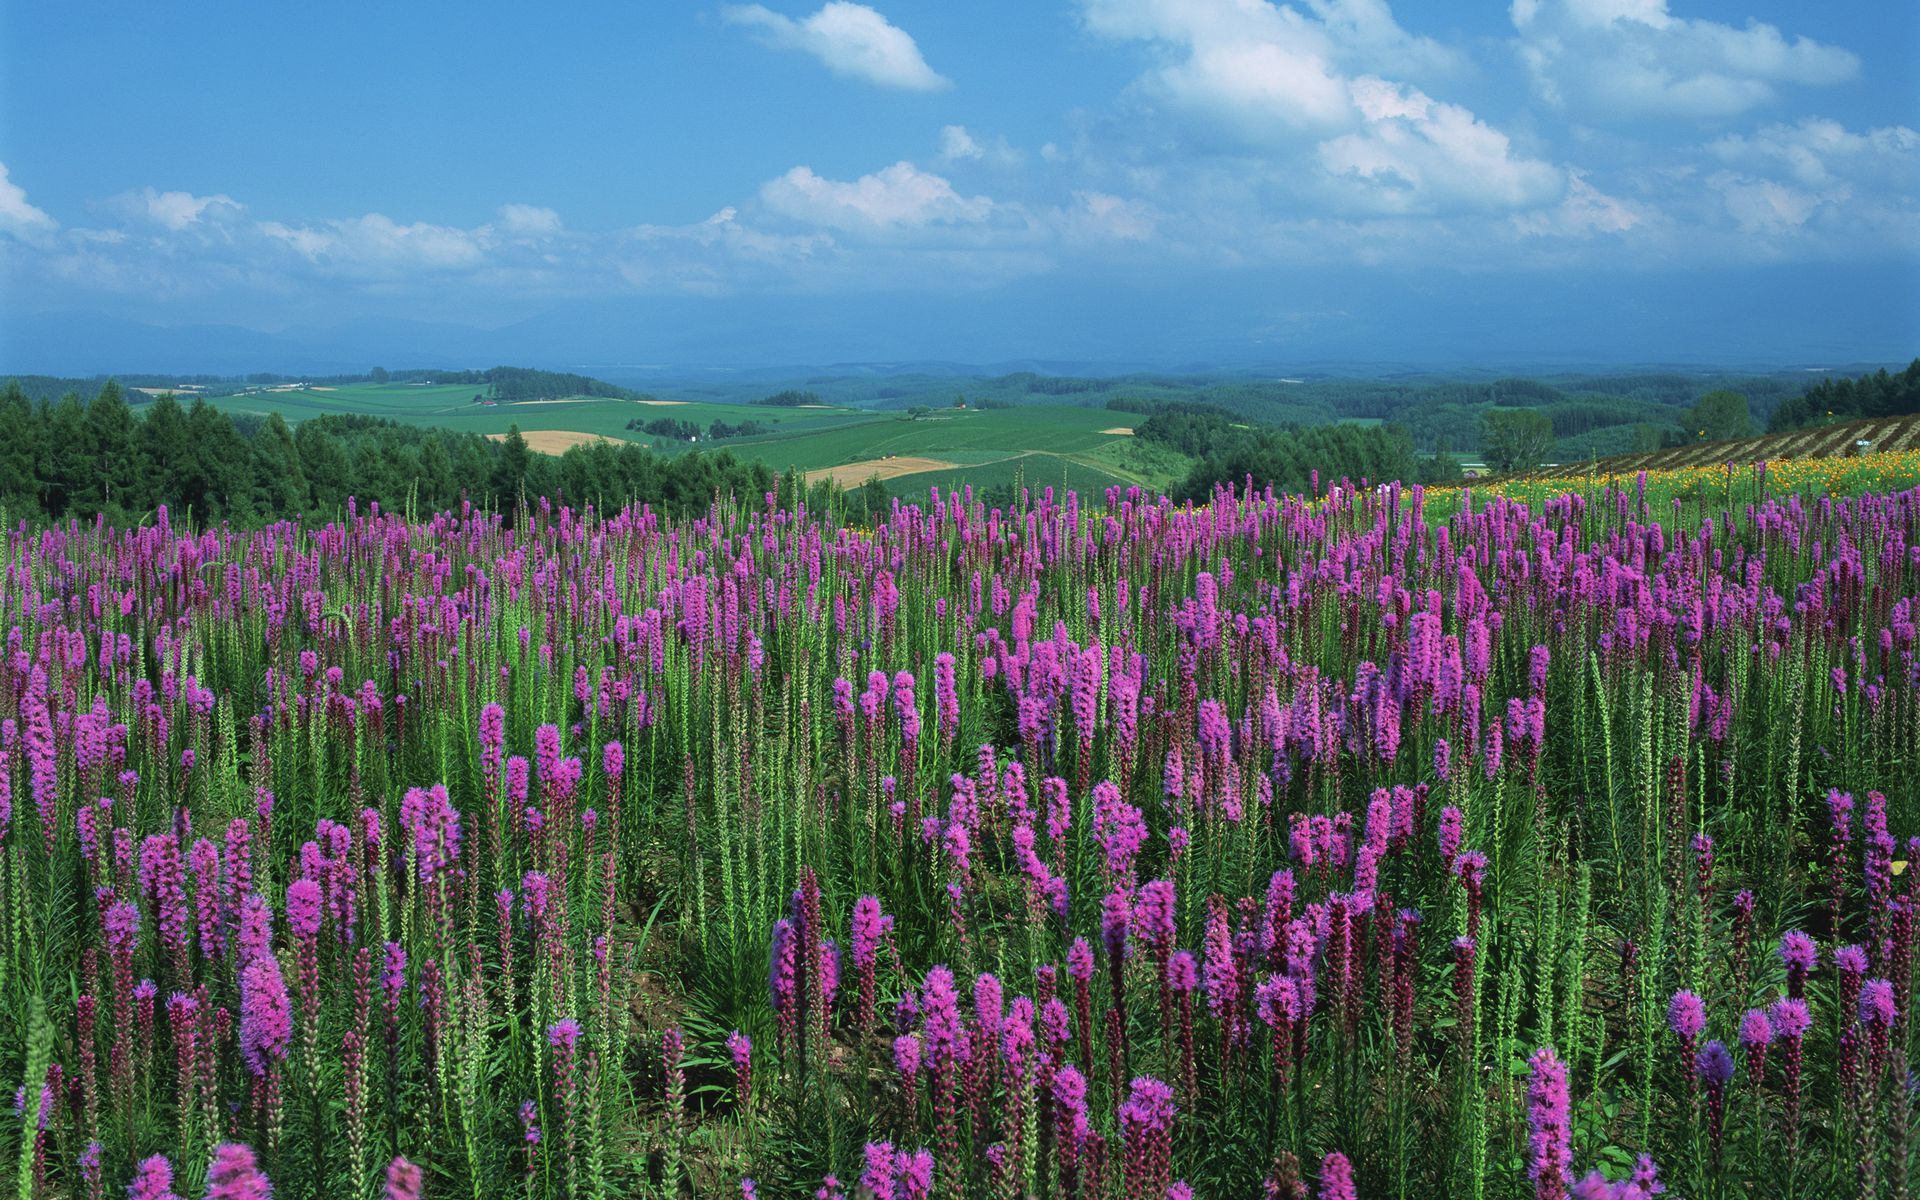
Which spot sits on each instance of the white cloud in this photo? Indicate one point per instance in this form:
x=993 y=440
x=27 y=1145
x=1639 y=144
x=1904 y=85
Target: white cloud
x=1416 y=154
x=851 y=39
x=1256 y=69
x=1762 y=205
x=1634 y=58
x=174 y=211
x=19 y=218
x=1365 y=33
x=1266 y=70
x=959 y=144
x=718 y=255
x=377 y=244
x=1097 y=216
x=1816 y=151
x=1817 y=178
x=1583 y=212
x=1284 y=88
x=528 y=220
x=901 y=195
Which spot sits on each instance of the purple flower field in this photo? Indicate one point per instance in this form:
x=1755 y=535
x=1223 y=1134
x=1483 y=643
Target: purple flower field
x=1378 y=844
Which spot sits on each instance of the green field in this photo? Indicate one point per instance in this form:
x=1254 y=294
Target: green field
x=1038 y=445
x=996 y=447
x=452 y=406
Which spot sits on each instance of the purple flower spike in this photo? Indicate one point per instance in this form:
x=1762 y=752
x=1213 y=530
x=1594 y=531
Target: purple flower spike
x=1548 y=1109
x=1715 y=1065
x=403 y=1180
x=235 y=1175
x=1336 y=1178
x=1686 y=1015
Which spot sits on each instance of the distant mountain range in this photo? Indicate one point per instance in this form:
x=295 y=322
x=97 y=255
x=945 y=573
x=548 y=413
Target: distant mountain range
x=1339 y=323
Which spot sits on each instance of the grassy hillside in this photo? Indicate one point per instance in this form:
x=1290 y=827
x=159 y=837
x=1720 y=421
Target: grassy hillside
x=1883 y=435
x=468 y=408
x=1088 y=449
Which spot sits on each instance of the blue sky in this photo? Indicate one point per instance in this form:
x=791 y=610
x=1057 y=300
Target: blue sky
x=1257 y=168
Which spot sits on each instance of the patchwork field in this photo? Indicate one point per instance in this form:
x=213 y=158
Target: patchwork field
x=467 y=408
x=1881 y=435
x=1088 y=449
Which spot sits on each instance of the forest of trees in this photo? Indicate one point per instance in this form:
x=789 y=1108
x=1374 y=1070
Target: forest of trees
x=686 y=431
x=1591 y=415
x=789 y=398
x=1288 y=458
x=77 y=457
x=665 y=427
x=524 y=383
x=1833 y=400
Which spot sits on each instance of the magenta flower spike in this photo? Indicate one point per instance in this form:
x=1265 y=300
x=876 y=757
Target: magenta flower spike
x=152 y=1180
x=403 y=1180
x=234 y=1174
x=1336 y=1178
x=1548 y=1116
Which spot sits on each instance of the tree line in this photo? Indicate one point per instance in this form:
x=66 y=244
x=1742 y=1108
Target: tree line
x=77 y=457
x=1834 y=400
x=1289 y=458
x=680 y=430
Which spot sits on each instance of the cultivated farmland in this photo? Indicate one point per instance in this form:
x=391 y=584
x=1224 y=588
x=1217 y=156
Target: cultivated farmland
x=1059 y=446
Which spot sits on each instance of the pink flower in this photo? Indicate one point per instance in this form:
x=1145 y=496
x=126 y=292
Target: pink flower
x=1221 y=971
x=1548 y=1114
x=152 y=1180
x=235 y=1175
x=1146 y=1123
x=266 y=1019
x=1686 y=1016
x=303 y=908
x=1336 y=1178
x=940 y=1018
x=403 y=1180
x=1153 y=914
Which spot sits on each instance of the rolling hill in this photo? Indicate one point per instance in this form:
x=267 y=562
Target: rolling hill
x=1880 y=435
x=1087 y=449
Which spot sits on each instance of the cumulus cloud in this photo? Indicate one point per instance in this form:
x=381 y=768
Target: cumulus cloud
x=174 y=211
x=721 y=254
x=901 y=195
x=1098 y=216
x=1817 y=151
x=1283 y=88
x=1364 y=32
x=1584 y=212
x=959 y=144
x=1817 y=178
x=19 y=218
x=1609 y=59
x=376 y=244
x=1762 y=205
x=1257 y=69
x=853 y=40
x=528 y=220
x=1414 y=153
